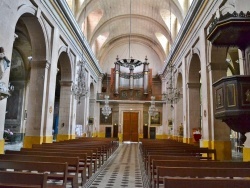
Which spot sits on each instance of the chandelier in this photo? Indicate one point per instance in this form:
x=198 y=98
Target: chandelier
x=152 y=111
x=106 y=110
x=172 y=94
x=79 y=89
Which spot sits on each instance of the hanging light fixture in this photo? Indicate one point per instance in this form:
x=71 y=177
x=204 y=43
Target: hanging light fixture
x=106 y=110
x=172 y=94
x=152 y=111
x=79 y=89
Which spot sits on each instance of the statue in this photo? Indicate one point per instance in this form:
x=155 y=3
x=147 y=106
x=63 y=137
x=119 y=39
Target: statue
x=4 y=62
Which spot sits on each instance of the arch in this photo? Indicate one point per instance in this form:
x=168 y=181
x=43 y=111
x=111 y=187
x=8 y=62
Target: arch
x=123 y=39
x=65 y=65
x=92 y=90
x=193 y=116
x=64 y=98
x=179 y=123
x=194 y=69
x=33 y=42
x=36 y=30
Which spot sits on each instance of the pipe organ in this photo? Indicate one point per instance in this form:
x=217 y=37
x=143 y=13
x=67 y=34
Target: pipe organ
x=136 y=80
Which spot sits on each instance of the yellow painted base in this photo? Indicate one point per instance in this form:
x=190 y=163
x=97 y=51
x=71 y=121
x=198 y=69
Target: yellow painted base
x=120 y=136
x=168 y=136
x=161 y=136
x=95 y=134
x=188 y=140
x=140 y=136
x=47 y=139
x=2 y=146
x=174 y=137
x=206 y=144
x=101 y=134
x=29 y=140
x=185 y=140
x=223 y=148
x=246 y=154
x=61 y=137
x=180 y=138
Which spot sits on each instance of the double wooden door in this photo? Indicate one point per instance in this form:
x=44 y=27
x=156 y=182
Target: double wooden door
x=130 y=126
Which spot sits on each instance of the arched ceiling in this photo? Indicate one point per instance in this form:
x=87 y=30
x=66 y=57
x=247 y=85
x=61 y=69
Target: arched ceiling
x=107 y=24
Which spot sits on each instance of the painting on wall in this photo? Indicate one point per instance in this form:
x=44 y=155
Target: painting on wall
x=155 y=120
x=105 y=121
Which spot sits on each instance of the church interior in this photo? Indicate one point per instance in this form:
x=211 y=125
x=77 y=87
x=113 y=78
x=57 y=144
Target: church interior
x=128 y=80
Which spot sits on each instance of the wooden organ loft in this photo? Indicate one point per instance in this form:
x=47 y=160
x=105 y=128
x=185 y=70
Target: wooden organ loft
x=130 y=79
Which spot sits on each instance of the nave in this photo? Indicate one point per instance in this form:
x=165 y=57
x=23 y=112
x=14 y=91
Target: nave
x=123 y=169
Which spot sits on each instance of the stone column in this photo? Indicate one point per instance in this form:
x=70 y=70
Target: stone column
x=219 y=130
x=131 y=77
x=117 y=77
x=145 y=76
x=64 y=125
x=36 y=103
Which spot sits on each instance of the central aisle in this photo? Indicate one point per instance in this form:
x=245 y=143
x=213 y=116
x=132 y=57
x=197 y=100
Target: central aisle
x=121 y=170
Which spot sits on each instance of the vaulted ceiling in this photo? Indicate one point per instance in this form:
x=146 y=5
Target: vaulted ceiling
x=110 y=25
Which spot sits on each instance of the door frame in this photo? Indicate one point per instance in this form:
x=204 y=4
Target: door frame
x=131 y=108
x=138 y=114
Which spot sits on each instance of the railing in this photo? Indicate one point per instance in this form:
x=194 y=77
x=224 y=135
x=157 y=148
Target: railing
x=126 y=94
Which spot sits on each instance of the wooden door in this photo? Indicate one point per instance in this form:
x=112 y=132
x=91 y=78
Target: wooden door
x=145 y=131
x=108 y=132
x=130 y=126
x=115 y=131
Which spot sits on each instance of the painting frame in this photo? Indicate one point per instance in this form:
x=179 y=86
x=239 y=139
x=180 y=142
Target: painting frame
x=155 y=120
x=104 y=121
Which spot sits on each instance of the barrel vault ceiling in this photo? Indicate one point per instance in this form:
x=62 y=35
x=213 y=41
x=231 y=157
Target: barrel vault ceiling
x=110 y=24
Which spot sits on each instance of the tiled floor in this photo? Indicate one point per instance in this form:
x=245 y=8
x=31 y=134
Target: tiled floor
x=121 y=170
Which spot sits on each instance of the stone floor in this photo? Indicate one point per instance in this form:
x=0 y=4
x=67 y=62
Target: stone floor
x=123 y=169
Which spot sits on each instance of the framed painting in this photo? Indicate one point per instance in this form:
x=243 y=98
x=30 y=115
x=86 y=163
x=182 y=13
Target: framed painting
x=105 y=121
x=155 y=120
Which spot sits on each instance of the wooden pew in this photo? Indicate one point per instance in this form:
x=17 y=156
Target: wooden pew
x=73 y=163
x=199 y=172
x=89 y=154
x=205 y=183
x=82 y=157
x=185 y=163
x=152 y=158
x=55 y=170
x=106 y=146
x=97 y=155
x=200 y=152
x=148 y=160
x=23 y=179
